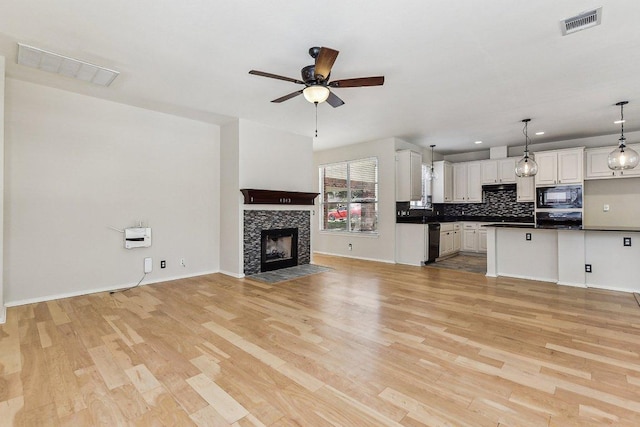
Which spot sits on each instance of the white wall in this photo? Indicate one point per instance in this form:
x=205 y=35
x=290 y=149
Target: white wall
x=382 y=246
x=231 y=201
x=2 y=82
x=271 y=159
x=258 y=157
x=623 y=197
x=75 y=166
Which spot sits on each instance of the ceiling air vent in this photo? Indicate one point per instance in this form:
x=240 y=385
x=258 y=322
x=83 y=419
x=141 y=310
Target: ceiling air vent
x=582 y=21
x=54 y=63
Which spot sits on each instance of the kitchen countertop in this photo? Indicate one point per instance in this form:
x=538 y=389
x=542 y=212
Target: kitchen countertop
x=568 y=227
x=467 y=218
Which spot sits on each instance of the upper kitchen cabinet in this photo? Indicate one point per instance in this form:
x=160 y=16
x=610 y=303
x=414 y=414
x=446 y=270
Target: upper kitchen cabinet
x=597 y=166
x=408 y=176
x=526 y=191
x=502 y=171
x=467 y=182
x=560 y=166
x=442 y=186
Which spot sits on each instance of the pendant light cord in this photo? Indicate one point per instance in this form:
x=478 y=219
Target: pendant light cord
x=316 y=119
x=526 y=137
x=622 y=138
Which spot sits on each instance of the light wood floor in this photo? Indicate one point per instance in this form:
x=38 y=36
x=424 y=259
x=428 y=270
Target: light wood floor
x=363 y=345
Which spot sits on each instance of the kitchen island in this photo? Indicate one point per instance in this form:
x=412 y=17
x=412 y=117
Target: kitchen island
x=600 y=257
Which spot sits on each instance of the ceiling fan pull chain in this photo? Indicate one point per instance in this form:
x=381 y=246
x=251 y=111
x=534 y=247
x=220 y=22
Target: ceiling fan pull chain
x=316 y=119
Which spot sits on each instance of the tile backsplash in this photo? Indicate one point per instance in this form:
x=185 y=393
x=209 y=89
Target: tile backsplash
x=495 y=203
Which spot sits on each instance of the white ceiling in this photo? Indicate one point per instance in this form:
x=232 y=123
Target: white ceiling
x=456 y=71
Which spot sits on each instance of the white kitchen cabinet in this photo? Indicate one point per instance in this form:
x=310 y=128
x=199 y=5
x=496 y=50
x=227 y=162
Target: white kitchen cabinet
x=474 y=237
x=467 y=182
x=597 y=166
x=460 y=182
x=560 y=167
x=482 y=239
x=408 y=176
x=457 y=239
x=502 y=171
x=470 y=238
x=442 y=187
x=446 y=243
x=412 y=242
x=525 y=188
x=449 y=243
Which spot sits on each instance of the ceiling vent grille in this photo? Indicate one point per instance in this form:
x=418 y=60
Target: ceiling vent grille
x=54 y=63
x=581 y=22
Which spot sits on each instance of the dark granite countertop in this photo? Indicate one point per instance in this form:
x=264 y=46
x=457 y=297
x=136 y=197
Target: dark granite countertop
x=621 y=229
x=440 y=218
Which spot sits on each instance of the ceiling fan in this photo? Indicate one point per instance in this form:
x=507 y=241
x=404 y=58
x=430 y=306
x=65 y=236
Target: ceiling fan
x=316 y=79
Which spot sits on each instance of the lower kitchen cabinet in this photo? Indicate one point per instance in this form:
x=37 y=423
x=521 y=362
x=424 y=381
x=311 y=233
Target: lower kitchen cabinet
x=474 y=237
x=450 y=238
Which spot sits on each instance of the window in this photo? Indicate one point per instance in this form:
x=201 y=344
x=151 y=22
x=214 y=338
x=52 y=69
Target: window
x=349 y=196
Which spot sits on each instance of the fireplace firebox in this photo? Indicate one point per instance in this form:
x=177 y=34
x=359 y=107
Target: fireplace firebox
x=279 y=249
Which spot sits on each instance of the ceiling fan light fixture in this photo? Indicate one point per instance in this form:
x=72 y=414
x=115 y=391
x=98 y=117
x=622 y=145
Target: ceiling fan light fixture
x=622 y=157
x=316 y=94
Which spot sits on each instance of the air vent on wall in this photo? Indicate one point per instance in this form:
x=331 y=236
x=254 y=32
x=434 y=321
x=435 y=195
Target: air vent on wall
x=581 y=22
x=55 y=63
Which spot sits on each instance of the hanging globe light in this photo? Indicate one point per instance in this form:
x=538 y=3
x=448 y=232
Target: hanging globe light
x=622 y=157
x=526 y=166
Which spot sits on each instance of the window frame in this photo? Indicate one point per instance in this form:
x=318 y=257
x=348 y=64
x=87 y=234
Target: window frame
x=349 y=199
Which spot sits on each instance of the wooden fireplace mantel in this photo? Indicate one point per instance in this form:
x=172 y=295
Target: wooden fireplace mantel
x=275 y=197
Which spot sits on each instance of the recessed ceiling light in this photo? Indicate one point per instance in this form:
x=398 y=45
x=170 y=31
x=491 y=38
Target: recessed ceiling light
x=617 y=122
x=478 y=142
x=54 y=63
x=540 y=133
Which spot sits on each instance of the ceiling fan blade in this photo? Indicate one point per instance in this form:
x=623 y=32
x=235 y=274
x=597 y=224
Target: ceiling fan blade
x=291 y=95
x=275 y=76
x=359 y=82
x=324 y=61
x=334 y=101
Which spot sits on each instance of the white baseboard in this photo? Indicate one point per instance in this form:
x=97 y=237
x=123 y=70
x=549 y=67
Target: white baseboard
x=537 y=279
x=386 y=261
x=575 y=285
x=613 y=288
x=106 y=289
x=228 y=273
x=3 y=314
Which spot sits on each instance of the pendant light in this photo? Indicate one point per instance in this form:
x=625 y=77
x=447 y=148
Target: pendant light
x=526 y=166
x=622 y=157
x=431 y=174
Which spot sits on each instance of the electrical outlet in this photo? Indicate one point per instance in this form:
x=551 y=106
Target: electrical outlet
x=527 y=236
x=163 y=264
x=350 y=247
x=605 y=208
x=626 y=241
x=182 y=263
x=587 y=268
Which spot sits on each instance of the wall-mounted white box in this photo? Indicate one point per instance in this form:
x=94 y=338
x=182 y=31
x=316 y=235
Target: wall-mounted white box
x=137 y=237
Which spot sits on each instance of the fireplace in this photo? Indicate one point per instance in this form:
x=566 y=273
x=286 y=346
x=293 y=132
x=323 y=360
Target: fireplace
x=257 y=220
x=279 y=248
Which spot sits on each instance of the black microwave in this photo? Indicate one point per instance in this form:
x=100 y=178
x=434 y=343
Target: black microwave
x=559 y=197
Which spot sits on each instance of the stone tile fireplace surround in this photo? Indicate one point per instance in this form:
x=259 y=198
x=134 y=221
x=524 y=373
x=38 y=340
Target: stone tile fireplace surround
x=257 y=220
